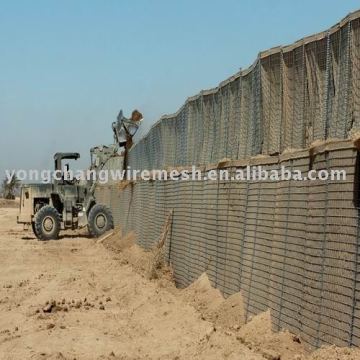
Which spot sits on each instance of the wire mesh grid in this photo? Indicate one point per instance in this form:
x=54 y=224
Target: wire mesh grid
x=289 y=246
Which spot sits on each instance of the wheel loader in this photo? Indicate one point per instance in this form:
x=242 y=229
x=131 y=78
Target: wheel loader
x=63 y=204
x=69 y=204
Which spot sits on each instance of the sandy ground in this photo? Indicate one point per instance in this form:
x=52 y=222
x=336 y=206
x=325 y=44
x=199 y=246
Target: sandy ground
x=77 y=299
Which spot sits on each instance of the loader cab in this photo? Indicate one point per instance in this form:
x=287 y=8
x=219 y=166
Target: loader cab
x=58 y=159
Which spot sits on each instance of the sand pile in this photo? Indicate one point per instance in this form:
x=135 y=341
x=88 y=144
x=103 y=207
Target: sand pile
x=226 y=313
x=131 y=253
x=117 y=243
x=230 y=313
x=150 y=264
x=203 y=297
x=335 y=353
x=257 y=335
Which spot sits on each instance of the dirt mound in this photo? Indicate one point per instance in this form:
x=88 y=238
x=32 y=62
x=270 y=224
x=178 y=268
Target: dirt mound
x=226 y=313
x=335 y=353
x=117 y=243
x=203 y=297
x=258 y=328
x=149 y=263
x=257 y=335
x=230 y=312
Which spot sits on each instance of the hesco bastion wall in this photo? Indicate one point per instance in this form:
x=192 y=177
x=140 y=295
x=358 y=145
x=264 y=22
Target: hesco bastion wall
x=289 y=246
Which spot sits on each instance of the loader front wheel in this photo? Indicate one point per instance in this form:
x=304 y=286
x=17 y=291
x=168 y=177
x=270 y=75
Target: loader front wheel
x=47 y=223
x=33 y=229
x=100 y=220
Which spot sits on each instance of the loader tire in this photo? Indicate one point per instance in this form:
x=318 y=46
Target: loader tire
x=33 y=228
x=47 y=223
x=100 y=220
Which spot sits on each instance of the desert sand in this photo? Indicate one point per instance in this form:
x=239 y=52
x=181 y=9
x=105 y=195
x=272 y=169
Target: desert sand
x=76 y=298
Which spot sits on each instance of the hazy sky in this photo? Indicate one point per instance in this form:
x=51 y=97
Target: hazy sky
x=67 y=67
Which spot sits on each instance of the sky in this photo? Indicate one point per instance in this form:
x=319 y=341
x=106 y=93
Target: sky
x=68 y=67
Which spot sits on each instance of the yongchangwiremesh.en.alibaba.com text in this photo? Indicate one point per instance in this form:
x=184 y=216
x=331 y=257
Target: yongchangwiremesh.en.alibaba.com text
x=248 y=173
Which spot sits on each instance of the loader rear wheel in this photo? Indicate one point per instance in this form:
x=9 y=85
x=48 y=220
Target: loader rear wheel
x=100 y=220
x=47 y=223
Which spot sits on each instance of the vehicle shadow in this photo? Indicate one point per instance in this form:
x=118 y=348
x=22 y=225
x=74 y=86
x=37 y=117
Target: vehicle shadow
x=27 y=237
x=74 y=236
x=61 y=237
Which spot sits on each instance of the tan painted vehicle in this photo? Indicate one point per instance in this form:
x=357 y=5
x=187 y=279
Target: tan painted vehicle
x=69 y=204
x=63 y=204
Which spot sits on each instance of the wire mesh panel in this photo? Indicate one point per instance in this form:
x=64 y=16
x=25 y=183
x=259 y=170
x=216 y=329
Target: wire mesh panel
x=172 y=203
x=177 y=139
x=216 y=125
x=238 y=202
x=184 y=116
x=316 y=90
x=280 y=247
x=251 y=131
x=355 y=74
x=222 y=213
x=206 y=131
x=190 y=133
x=233 y=218
x=151 y=233
x=234 y=119
x=180 y=138
x=158 y=212
x=224 y=123
x=152 y=148
x=264 y=233
x=338 y=84
x=145 y=214
x=168 y=131
x=158 y=147
x=290 y=226
x=137 y=211
x=245 y=115
x=128 y=215
x=262 y=227
x=293 y=86
x=257 y=131
x=197 y=155
x=178 y=245
x=210 y=231
x=271 y=67
x=209 y=128
x=169 y=205
x=187 y=244
x=249 y=280
x=340 y=257
x=315 y=246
